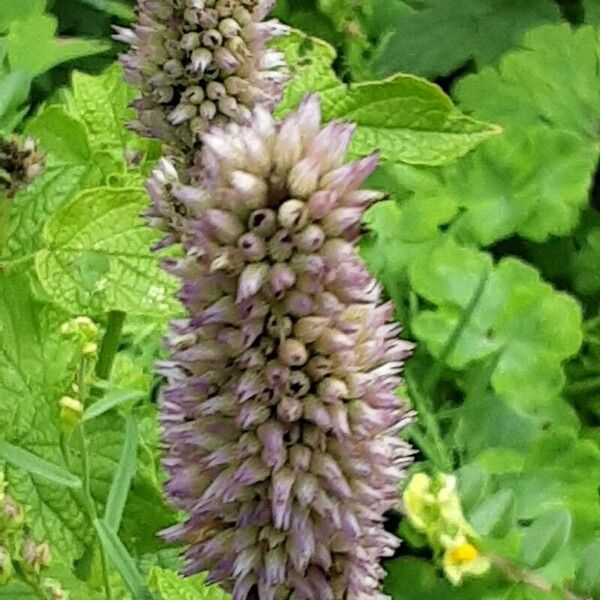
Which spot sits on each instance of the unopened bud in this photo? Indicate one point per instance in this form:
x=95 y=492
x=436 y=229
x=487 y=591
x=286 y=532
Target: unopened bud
x=6 y=566
x=36 y=556
x=71 y=413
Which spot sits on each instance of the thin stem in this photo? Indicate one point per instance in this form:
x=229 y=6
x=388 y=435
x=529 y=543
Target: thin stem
x=435 y=448
x=437 y=370
x=88 y=500
x=515 y=573
x=110 y=344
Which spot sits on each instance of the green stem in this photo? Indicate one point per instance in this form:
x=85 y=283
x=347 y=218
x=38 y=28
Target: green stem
x=434 y=448
x=439 y=366
x=88 y=500
x=110 y=344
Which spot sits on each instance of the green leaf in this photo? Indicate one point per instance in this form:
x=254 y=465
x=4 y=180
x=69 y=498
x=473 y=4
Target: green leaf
x=546 y=538
x=473 y=482
x=102 y=103
x=14 y=91
x=60 y=134
x=36 y=466
x=310 y=61
x=33 y=48
x=33 y=206
x=11 y=11
x=29 y=412
x=585 y=264
x=518 y=315
x=169 y=586
x=496 y=515
x=409 y=120
x=117 y=497
x=122 y=561
x=443 y=35
x=96 y=256
x=588 y=571
x=110 y=401
x=406 y=119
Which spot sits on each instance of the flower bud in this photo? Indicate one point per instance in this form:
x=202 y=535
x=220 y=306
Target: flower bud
x=71 y=413
x=6 y=566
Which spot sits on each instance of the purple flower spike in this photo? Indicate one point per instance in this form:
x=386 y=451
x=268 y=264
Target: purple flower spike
x=280 y=415
x=200 y=63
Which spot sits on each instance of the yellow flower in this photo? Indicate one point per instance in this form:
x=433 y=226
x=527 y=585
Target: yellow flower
x=462 y=558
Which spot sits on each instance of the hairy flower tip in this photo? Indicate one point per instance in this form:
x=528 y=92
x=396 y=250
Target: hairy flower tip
x=20 y=163
x=280 y=417
x=200 y=63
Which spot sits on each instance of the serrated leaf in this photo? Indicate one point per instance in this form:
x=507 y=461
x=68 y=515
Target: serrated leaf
x=545 y=538
x=169 y=585
x=102 y=103
x=104 y=223
x=443 y=35
x=518 y=315
x=61 y=134
x=406 y=119
x=310 y=61
x=33 y=206
x=496 y=515
x=32 y=46
x=29 y=412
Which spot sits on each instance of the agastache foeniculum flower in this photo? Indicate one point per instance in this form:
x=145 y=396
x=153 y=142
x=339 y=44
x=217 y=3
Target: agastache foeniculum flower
x=200 y=63
x=280 y=415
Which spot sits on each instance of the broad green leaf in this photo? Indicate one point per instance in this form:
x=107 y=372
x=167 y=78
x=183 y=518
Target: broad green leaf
x=169 y=585
x=473 y=482
x=32 y=46
x=122 y=561
x=534 y=327
x=588 y=571
x=495 y=516
x=29 y=412
x=36 y=466
x=545 y=538
x=34 y=205
x=406 y=119
x=592 y=12
x=443 y=35
x=119 y=490
x=96 y=256
x=13 y=10
x=310 y=61
x=102 y=103
x=60 y=134
x=14 y=91
x=111 y=7
x=541 y=128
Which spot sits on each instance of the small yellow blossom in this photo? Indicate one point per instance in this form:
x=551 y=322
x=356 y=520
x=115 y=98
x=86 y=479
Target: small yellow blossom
x=462 y=558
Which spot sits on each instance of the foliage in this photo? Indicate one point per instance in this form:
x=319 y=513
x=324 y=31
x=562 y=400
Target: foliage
x=488 y=244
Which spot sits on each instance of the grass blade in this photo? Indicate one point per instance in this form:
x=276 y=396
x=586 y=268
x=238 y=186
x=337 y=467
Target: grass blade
x=37 y=466
x=111 y=401
x=454 y=338
x=122 y=561
x=121 y=483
